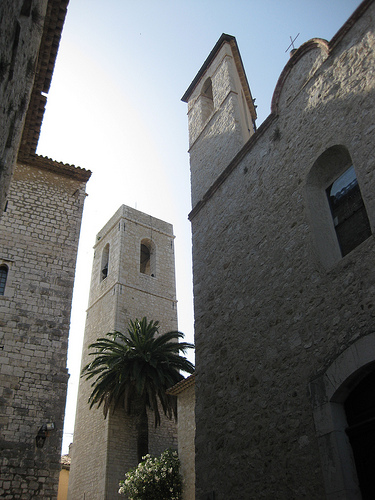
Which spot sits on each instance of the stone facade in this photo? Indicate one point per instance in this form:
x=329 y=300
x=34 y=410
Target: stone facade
x=124 y=286
x=38 y=246
x=229 y=93
x=185 y=392
x=30 y=35
x=284 y=323
x=39 y=231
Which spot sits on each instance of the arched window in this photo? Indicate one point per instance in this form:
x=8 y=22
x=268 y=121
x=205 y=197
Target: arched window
x=207 y=99
x=338 y=215
x=147 y=257
x=104 y=263
x=3 y=278
x=207 y=89
x=348 y=211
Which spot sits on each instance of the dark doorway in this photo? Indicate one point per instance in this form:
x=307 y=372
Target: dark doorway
x=360 y=413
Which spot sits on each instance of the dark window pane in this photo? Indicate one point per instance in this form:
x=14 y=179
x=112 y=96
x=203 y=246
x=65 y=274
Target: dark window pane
x=104 y=263
x=348 y=211
x=3 y=278
x=145 y=259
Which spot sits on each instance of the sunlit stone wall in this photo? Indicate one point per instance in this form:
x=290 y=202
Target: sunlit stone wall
x=104 y=450
x=271 y=313
x=39 y=238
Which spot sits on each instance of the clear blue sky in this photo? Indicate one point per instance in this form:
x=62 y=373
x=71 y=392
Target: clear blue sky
x=114 y=108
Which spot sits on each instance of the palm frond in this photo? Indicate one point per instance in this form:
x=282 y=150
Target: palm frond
x=137 y=366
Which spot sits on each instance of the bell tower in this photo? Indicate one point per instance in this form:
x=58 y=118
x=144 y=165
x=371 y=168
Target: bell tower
x=221 y=115
x=133 y=275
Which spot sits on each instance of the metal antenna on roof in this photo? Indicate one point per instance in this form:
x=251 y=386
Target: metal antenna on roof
x=292 y=43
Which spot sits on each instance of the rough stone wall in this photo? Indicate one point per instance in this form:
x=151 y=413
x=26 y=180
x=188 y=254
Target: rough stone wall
x=39 y=239
x=186 y=440
x=208 y=145
x=21 y=29
x=270 y=315
x=105 y=449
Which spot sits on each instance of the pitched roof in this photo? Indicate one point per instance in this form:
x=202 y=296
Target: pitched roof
x=182 y=385
x=45 y=163
x=49 y=45
x=65 y=462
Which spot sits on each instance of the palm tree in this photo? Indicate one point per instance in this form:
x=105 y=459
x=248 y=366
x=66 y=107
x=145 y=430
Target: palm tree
x=135 y=370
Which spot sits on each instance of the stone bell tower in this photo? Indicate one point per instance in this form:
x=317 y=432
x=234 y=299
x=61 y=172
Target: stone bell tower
x=133 y=275
x=221 y=115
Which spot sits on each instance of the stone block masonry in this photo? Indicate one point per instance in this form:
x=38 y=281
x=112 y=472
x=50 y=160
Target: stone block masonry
x=38 y=245
x=133 y=275
x=30 y=35
x=40 y=216
x=281 y=314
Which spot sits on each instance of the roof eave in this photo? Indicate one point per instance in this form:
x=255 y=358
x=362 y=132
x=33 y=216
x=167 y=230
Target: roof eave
x=224 y=38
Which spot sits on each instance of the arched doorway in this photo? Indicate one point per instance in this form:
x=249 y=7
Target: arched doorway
x=339 y=398
x=360 y=415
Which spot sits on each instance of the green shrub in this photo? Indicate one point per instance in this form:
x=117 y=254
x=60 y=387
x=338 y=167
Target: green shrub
x=154 y=478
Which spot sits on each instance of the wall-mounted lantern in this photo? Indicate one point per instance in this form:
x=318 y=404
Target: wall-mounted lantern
x=43 y=432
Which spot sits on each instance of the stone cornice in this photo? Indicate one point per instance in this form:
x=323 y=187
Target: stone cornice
x=349 y=23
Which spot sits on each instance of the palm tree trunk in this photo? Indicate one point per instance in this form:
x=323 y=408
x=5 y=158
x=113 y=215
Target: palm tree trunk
x=142 y=434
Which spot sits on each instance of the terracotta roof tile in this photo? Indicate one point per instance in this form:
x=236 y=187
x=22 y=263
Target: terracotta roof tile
x=182 y=385
x=65 y=462
x=46 y=163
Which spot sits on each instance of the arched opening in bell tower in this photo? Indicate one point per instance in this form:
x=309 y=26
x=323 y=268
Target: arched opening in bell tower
x=147 y=258
x=104 y=263
x=207 y=100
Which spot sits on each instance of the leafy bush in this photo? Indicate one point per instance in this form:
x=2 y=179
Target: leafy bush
x=154 y=478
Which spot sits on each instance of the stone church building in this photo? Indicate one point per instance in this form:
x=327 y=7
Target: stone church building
x=133 y=275
x=41 y=207
x=284 y=277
